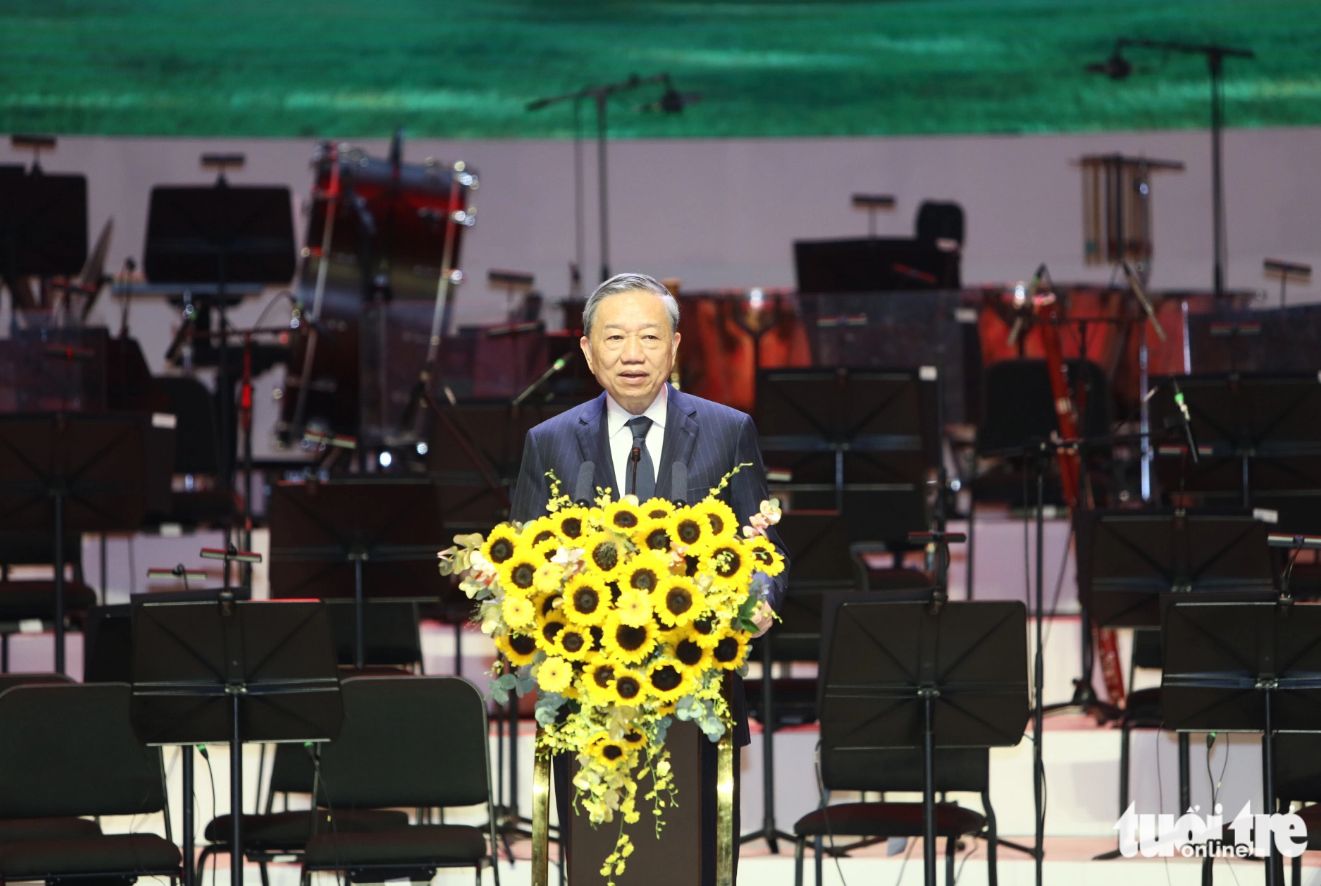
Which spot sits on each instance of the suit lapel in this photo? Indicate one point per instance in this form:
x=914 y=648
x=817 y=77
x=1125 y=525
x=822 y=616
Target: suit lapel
x=680 y=438
x=594 y=447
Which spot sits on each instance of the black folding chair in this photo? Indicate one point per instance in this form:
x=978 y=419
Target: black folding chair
x=24 y=600
x=68 y=751
x=406 y=742
x=282 y=836
x=957 y=770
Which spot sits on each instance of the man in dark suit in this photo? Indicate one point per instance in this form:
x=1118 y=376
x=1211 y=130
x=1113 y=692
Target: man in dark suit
x=635 y=435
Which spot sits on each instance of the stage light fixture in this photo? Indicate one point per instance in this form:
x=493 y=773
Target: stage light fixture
x=385 y=459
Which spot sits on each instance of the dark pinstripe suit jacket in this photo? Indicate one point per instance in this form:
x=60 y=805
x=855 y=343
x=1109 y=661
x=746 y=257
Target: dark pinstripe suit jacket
x=708 y=437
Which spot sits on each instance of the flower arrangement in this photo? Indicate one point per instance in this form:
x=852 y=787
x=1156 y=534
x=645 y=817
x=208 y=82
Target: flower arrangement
x=623 y=617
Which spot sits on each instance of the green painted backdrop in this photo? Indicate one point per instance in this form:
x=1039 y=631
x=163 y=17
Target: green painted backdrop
x=358 y=68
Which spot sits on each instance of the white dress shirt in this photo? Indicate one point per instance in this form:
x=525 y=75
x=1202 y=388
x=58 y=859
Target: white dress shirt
x=621 y=436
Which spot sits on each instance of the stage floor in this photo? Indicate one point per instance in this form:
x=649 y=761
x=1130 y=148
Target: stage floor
x=1069 y=860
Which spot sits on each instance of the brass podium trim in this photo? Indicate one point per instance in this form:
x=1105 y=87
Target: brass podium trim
x=541 y=815
x=725 y=811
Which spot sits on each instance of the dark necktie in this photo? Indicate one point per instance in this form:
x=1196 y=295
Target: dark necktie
x=639 y=470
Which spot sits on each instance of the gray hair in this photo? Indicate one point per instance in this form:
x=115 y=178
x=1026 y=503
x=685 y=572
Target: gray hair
x=621 y=283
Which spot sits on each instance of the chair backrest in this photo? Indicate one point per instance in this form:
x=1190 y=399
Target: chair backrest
x=8 y=681
x=392 y=632
x=36 y=549
x=71 y=750
x=197 y=450
x=956 y=769
x=408 y=741
x=291 y=770
x=938 y=220
x=1298 y=766
x=1021 y=407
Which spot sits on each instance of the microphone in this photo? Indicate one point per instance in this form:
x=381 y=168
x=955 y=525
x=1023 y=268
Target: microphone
x=582 y=490
x=1185 y=419
x=679 y=483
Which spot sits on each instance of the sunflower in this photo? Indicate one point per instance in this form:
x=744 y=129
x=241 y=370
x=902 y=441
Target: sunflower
x=692 y=657
x=730 y=651
x=549 y=629
x=540 y=531
x=610 y=751
x=764 y=556
x=554 y=674
x=653 y=534
x=500 y=546
x=623 y=516
x=705 y=633
x=547 y=547
x=570 y=523
x=629 y=687
x=668 y=683
x=546 y=604
x=687 y=527
x=677 y=601
x=633 y=608
x=586 y=601
x=519 y=572
x=730 y=563
x=573 y=642
x=604 y=555
x=657 y=508
x=628 y=643
x=644 y=572
x=634 y=739
x=720 y=515
x=598 y=677
x=520 y=649
x=547 y=578
x=518 y=611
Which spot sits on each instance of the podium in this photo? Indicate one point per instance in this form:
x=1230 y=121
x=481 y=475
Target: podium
x=676 y=857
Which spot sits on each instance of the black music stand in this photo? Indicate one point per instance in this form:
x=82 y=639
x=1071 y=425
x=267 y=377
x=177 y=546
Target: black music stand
x=233 y=672
x=43 y=226
x=1129 y=560
x=355 y=537
x=1254 y=433
x=910 y=675
x=1243 y=667
x=220 y=235
x=847 y=436
x=77 y=473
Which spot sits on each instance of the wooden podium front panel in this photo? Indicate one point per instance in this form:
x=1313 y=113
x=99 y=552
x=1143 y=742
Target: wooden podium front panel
x=675 y=858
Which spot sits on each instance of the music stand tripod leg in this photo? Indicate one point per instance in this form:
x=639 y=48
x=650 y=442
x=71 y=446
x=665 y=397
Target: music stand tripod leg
x=359 y=652
x=235 y=795
x=928 y=793
x=59 y=582
x=186 y=751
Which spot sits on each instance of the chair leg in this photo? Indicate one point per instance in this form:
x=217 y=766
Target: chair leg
x=1124 y=759
x=951 y=846
x=818 y=861
x=799 y=845
x=992 y=841
x=265 y=875
x=1297 y=865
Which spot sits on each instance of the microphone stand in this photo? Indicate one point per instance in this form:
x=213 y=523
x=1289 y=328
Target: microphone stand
x=600 y=95
x=1042 y=451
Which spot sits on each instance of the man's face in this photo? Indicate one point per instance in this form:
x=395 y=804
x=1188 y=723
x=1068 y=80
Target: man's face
x=631 y=349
